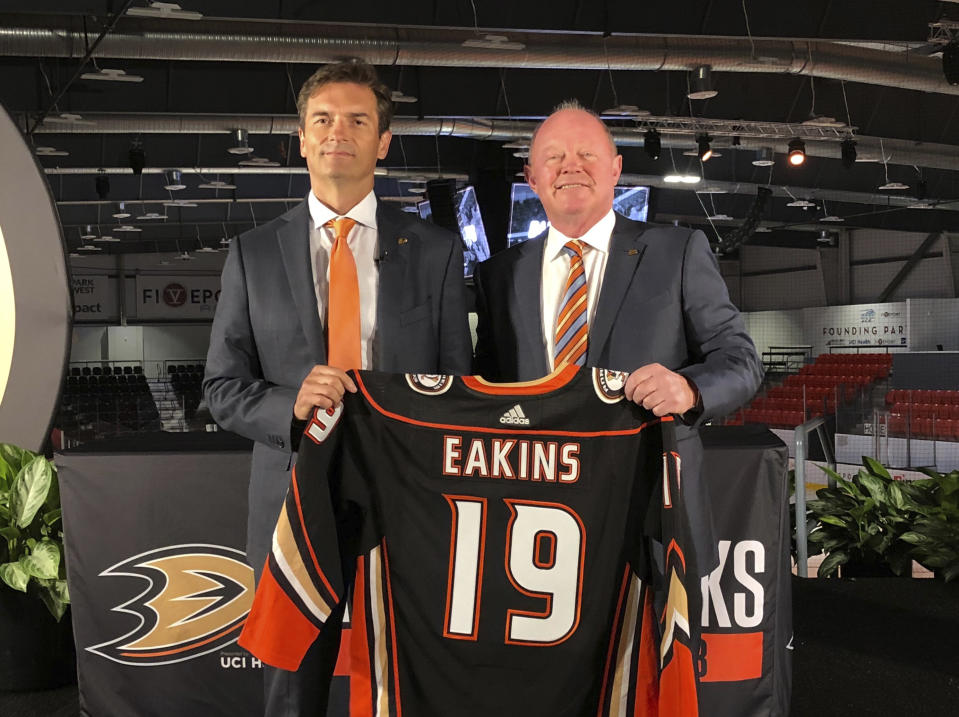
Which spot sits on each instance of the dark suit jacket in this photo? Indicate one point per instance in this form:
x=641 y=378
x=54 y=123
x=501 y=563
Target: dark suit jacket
x=663 y=300
x=267 y=335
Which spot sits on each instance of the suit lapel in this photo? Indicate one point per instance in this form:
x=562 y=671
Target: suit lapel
x=527 y=287
x=626 y=249
x=393 y=248
x=293 y=238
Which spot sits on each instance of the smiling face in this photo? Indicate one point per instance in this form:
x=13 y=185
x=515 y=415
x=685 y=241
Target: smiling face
x=573 y=168
x=340 y=139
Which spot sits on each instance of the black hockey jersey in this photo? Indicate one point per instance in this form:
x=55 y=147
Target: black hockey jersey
x=495 y=539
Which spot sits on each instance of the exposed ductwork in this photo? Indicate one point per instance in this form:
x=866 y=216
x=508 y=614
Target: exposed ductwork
x=774 y=136
x=316 y=43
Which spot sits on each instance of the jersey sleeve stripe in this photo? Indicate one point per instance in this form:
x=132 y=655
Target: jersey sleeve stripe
x=619 y=698
x=276 y=630
x=289 y=562
x=360 y=665
x=378 y=624
x=304 y=539
x=391 y=630
x=646 y=671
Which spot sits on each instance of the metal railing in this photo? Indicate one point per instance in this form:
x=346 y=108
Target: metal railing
x=801 y=439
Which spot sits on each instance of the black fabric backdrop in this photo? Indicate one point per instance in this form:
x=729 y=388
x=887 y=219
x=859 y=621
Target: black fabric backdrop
x=133 y=505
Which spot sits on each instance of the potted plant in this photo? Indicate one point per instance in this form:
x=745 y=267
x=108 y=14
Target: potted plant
x=35 y=649
x=934 y=536
x=860 y=523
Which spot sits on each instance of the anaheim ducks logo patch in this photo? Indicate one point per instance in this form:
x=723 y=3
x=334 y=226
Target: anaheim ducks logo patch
x=430 y=384
x=195 y=602
x=609 y=384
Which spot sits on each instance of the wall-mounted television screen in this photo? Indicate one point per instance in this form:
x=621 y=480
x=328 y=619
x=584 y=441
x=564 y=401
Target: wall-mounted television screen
x=527 y=218
x=472 y=232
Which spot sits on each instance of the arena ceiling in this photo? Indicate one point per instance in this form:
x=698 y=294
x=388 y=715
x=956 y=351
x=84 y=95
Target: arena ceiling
x=482 y=72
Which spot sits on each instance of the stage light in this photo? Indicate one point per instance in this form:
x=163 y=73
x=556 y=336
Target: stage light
x=848 y=153
x=652 y=143
x=797 y=151
x=102 y=184
x=137 y=157
x=705 y=151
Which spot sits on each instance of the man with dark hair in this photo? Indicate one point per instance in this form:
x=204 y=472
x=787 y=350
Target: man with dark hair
x=341 y=281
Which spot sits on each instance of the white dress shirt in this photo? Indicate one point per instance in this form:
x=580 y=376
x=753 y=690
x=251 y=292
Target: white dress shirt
x=556 y=271
x=362 y=242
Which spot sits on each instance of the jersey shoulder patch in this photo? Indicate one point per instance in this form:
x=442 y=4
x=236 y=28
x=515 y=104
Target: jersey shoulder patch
x=429 y=384
x=609 y=384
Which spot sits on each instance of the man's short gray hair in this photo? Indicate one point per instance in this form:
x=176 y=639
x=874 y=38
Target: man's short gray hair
x=573 y=104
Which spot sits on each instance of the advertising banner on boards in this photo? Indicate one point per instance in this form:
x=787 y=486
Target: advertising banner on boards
x=176 y=298
x=95 y=298
x=158 y=580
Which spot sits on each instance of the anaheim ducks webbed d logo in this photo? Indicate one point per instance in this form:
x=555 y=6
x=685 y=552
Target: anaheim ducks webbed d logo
x=196 y=602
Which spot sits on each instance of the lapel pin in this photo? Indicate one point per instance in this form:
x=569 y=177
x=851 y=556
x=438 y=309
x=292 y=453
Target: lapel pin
x=402 y=240
x=632 y=252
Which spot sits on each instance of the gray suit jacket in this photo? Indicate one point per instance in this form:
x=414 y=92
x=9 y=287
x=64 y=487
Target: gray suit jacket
x=663 y=300
x=267 y=335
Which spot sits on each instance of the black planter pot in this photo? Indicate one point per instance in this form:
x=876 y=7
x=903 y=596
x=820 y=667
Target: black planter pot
x=36 y=651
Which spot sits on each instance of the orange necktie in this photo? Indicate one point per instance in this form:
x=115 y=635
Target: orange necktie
x=343 y=309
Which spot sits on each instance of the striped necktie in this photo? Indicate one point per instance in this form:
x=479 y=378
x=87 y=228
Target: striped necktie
x=571 y=329
x=343 y=301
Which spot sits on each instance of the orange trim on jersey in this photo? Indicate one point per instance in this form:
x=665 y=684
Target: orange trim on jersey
x=677 y=685
x=550 y=382
x=389 y=602
x=733 y=657
x=361 y=679
x=613 y=633
x=306 y=538
x=647 y=664
x=674 y=547
x=511 y=431
x=185 y=648
x=276 y=631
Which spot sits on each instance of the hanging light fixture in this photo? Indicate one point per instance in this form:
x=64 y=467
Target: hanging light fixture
x=701 y=83
x=652 y=143
x=797 y=151
x=848 y=149
x=705 y=151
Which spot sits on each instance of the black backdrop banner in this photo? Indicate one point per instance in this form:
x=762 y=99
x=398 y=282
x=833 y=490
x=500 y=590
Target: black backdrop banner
x=747 y=598
x=160 y=588
x=159 y=583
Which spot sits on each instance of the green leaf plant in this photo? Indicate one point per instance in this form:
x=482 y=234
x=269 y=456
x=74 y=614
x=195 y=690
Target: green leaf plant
x=934 y=535
x=31 y=532
x=863 y=521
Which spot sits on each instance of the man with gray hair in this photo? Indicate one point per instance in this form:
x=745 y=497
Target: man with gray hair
x=393 y=283
x=601 y=290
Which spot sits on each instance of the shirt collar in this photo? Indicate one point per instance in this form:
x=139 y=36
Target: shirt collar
x=364 y=212
x=597 y=237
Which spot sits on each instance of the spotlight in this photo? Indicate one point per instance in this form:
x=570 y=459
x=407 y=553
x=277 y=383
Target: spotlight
x=701 y=84
x=705 y=151
x=137 y=157
x=102 y=184
x=950 y=62
x=797 y=151
x=652 y=143
x=848 y=153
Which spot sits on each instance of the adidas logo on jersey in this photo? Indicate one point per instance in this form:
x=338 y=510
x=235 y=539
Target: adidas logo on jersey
x=515 y=416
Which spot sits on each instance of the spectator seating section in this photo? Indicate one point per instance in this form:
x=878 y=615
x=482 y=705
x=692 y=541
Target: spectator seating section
x=187 y=380
x=924 y=414
x=830 y=379
x=107 y=400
